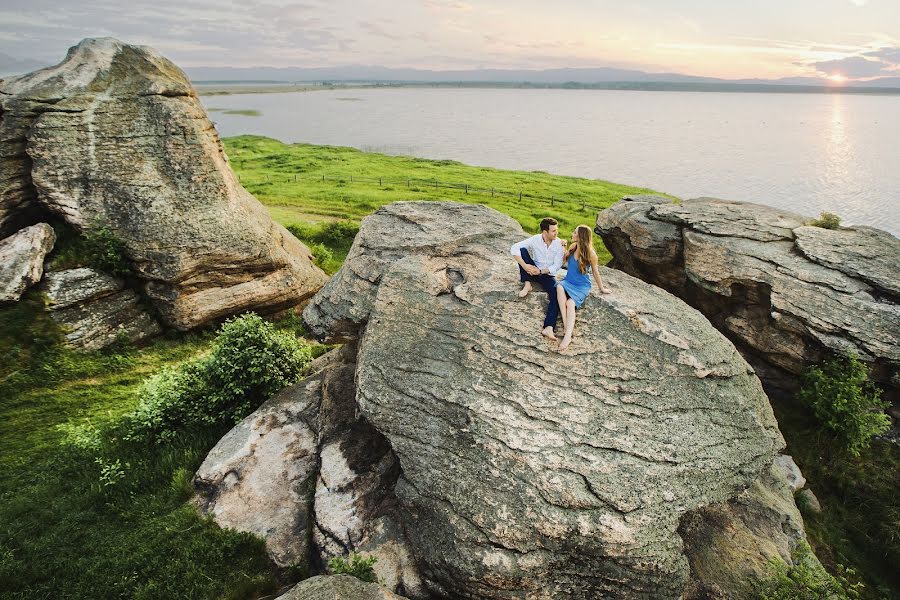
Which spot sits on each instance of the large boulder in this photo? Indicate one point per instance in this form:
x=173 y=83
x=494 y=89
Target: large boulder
x=115 y=136
x=787 y=293
x=525 y=472
x=22 y=259
x=96 y=310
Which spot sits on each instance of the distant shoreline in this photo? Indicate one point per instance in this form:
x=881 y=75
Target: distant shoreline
x=226 y=88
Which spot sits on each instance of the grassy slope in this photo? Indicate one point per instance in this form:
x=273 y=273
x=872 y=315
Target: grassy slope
x=267 y=168
x=60 y=535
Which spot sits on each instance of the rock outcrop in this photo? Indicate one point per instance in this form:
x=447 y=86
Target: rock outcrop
x=96 y=310
x=338 y=587
x=115 y=136
x=525 y=472
x=786 y=293
x=22 y=259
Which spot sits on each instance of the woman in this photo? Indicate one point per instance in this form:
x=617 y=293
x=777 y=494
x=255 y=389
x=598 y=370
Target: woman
x=581 y=264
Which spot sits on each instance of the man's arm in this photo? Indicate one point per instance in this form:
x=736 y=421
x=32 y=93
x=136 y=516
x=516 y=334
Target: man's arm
x=516 y=252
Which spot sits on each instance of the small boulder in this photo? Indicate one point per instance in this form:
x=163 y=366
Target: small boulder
x=791 y=471
x=96 y=310
x=22 y=259
x=808 y=502
x=338 y=587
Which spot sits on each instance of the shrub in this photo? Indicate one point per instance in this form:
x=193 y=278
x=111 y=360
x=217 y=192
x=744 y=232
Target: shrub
x=249 y=361
x=845 y=401
x=827 y=220
x=321 y=254
x=105 y=251
x=337 y=233
x=806 y=580
x=357 y=566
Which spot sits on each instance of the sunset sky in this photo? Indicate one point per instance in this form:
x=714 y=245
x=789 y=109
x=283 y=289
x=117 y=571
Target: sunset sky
x=764 y=38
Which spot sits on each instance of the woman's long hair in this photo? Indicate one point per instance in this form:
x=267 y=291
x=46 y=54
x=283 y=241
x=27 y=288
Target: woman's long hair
x=584 y=247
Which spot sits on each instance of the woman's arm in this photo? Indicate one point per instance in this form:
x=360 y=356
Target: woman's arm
x=595 y=271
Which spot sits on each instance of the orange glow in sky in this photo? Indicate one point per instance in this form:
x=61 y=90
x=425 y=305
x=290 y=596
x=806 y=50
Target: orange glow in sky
x=837 y=78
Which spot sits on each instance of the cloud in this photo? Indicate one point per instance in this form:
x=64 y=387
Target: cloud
x=884 y=61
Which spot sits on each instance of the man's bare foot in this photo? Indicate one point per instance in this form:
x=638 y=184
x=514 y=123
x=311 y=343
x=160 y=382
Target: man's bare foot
x=547 y=332
x=525 y=289
x=565 y=343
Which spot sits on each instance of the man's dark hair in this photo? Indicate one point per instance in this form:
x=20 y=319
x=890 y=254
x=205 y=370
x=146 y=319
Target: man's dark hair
x=546 y=223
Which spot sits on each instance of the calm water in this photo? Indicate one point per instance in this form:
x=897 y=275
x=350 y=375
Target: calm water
x=803 y=152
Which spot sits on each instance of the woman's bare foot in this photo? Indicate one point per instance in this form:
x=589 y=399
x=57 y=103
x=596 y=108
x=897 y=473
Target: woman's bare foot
x=525 y=289
x=547 y=332
x=565 y=343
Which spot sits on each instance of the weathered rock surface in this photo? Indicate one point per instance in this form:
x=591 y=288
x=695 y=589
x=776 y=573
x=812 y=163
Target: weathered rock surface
x=116 y=136
x=305 y=466
x=338 y=587
x=22 y=259
x=786 y=293
x=96 y=310
x=524 y=472
x=729 y=544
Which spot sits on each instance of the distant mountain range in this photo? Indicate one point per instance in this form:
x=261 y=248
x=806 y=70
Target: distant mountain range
x=602 y=77
x=554 y=77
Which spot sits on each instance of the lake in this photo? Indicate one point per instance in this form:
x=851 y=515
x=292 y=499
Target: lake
x=803 y=152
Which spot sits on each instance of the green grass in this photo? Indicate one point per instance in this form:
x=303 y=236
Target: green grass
x=859 y=526
x=268 y=167
x=61 y=534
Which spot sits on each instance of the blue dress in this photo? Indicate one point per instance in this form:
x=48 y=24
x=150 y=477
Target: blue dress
x=576 y=283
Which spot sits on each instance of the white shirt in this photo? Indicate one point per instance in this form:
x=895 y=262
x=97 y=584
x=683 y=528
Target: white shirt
x=544 y=256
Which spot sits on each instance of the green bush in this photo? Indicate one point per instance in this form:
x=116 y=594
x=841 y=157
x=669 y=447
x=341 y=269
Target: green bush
x=337 y=233
x=845 y=401
x=827 y=220
x=106 y=251
x=321 y=254
x=357 y=566
x=249 y=361
x=807 y=580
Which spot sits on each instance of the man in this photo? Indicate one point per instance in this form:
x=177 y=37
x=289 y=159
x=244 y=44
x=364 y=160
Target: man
x=539 y=258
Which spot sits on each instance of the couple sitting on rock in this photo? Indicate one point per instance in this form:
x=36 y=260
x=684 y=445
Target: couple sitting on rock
x=541 y=256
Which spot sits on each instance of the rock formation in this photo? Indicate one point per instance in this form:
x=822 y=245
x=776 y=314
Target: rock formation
x=115 y=136
x=524 y=472
x=22 y=260
x=304 y=467
x=787 y=293
x=95 y=310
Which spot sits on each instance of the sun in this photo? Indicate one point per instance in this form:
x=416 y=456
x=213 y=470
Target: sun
x=837 y=78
